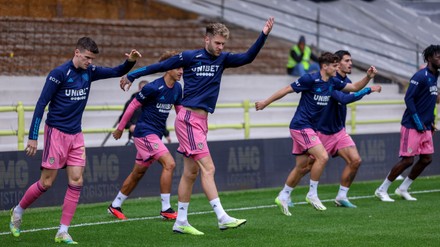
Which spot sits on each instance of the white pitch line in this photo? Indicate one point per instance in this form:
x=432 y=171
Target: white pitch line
x=198 y=213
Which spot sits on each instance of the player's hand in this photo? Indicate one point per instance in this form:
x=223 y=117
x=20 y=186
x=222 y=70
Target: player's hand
x=268 y=26
x=125 y=84
x=168 y=139
x=133 y=55
x=260 y=105
x=31 y=147
x=371 y=72
x=117 y=134
x=376 y=88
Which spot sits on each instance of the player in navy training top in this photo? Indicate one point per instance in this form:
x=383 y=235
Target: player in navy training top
x=316 y=90
x=417 y=126
x=331 y=128
x=202 y=74
x=155 y=99
x=66 y=91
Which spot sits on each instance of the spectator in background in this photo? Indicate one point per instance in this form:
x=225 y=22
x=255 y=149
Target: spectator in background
x=300 y=59
x=131 y=124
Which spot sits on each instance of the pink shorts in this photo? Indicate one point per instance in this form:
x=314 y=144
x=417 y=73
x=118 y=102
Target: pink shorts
x=413 y=143
x=191 y=131
x=61 y=149
x=333 y=143
x=303 y=140
x=149 y=149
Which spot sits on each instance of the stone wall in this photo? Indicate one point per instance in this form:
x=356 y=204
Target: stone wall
x=33 y=43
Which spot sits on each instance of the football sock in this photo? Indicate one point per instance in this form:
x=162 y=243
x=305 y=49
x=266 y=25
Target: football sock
x=165 y=199
x=405 y=184
x=182 y=213
x=70 y=202
x=63 y=228
x=18 y=211
x=385 y=185
x=313 y=189
x=285 y=192
x=32 y=194
x=218 y=208
x=119 y=199
x=342 y=193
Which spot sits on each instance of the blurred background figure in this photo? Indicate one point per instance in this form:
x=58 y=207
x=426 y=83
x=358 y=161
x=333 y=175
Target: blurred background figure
x=301 y=59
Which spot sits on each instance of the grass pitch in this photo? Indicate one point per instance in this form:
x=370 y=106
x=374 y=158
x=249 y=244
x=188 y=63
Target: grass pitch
x=373 y=223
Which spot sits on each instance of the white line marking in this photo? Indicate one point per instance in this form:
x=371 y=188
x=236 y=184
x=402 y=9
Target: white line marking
x=199 y=213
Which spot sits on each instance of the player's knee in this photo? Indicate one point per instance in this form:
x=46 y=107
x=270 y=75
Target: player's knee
x=46 y=184
x=356 y=162
x=426 y=160
x=169 y=166
x=209 y=171
x=323 y=158
x=407 y=162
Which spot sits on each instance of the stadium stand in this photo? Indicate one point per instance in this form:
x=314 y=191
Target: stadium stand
x=32 y=45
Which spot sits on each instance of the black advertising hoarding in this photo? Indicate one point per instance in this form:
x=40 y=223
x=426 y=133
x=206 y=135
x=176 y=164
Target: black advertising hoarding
x=240 y=164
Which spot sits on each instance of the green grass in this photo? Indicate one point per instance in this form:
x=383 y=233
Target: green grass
x=373 y=223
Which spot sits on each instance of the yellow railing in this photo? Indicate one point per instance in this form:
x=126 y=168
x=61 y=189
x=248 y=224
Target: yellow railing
x=246 y=125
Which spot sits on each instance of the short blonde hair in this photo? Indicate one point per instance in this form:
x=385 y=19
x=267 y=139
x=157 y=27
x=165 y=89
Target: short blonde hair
x=214 y=29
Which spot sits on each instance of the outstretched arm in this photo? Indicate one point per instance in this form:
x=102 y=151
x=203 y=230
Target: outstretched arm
x=344 y=98
x=371 y=72
x=268 y=26
x=168 y=64
x=260 y=105
x=240 y=59
x=133 y=55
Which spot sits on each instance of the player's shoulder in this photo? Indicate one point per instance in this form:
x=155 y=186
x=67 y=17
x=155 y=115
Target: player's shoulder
x=420 y=76
x=193 y=53
x=61 y=71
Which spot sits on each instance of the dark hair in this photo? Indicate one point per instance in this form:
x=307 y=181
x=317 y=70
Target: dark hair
x=430 y=51
x=167 y=55
x=327 y=58
x=342 y=53
x=86 y=43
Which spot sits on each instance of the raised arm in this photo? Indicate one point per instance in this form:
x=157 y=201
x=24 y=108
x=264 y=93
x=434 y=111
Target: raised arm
x=354 y=87
x=239 y=59
x=120 y=70
x=173 y=62
x=260 y=105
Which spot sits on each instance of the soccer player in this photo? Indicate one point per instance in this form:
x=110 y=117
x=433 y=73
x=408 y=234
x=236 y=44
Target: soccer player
x=155 y=99
x=131 y=124
x=417 y=127
x=331 y=128
x=316 y=90
x=203 y=69
x=66 y=91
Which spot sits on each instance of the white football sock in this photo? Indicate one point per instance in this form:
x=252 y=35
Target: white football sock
x=120 y=198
